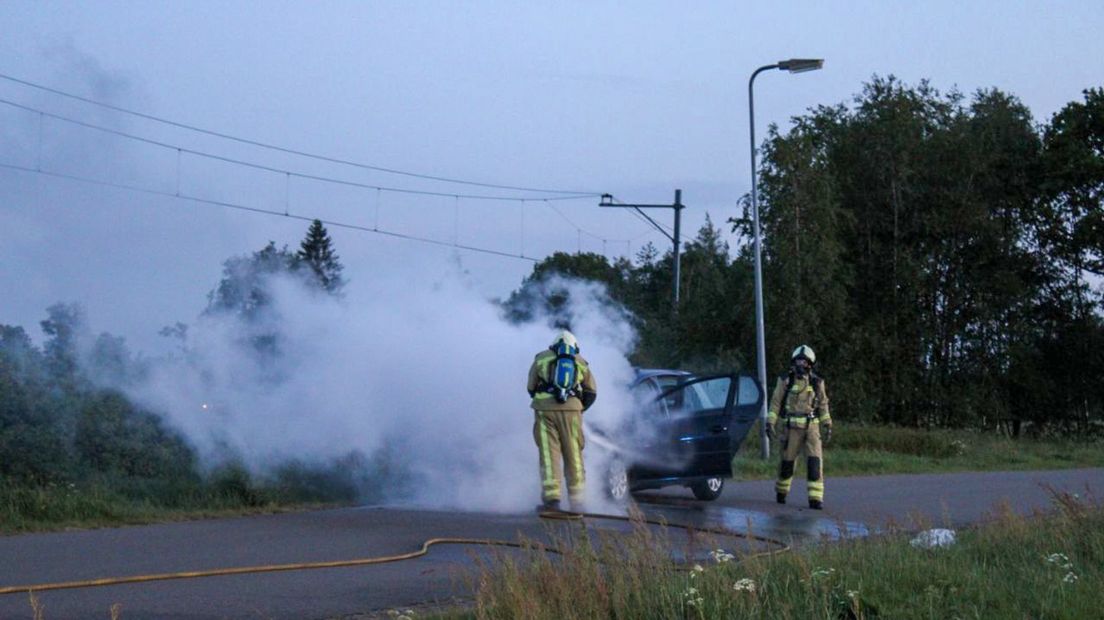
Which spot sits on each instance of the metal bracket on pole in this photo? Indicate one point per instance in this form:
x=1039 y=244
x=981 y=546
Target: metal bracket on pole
x=608 y=201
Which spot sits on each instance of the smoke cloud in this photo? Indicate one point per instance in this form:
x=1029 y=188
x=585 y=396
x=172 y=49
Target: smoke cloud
x=431 y=373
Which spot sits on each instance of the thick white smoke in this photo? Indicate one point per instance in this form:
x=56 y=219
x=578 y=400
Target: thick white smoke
x=429 y=371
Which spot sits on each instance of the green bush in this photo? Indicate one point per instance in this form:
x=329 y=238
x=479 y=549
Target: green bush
x=113 y=436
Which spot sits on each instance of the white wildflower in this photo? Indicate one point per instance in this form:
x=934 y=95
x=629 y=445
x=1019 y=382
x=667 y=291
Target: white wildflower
x=932 y=539
x=1071 y=577
x=745 y=585
x=822 y=572
x=853 y=594
x=721 y=556
x=1059 y=559
x=959 y=447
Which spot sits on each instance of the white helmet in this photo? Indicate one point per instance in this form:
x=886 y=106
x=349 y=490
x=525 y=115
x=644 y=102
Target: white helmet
x=806 y=352
x=567 y=338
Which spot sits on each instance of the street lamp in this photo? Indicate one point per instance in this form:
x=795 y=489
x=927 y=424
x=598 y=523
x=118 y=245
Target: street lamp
x=793 y=65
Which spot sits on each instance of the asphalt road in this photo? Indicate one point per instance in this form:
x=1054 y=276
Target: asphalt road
x=855 y=506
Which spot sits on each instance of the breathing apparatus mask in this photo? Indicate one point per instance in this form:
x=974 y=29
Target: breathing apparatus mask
x=801 y=367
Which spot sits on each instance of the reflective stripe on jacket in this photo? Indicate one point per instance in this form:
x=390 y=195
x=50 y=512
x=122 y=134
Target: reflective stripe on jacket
x=800 y=402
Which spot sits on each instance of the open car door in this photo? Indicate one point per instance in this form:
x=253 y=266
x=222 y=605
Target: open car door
x=696 y=428
x=749 y=400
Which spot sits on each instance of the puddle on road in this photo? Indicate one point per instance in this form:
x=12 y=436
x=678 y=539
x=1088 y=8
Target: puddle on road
x=795 y=527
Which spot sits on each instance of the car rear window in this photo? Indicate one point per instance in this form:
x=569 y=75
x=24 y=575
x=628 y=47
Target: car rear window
x=748 y=391
x=710 y=394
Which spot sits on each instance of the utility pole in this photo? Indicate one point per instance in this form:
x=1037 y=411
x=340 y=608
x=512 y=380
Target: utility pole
x=607 y=201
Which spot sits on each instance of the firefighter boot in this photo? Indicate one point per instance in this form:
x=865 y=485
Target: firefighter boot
x=785 y=477
x=549 y=505
x=816 y=483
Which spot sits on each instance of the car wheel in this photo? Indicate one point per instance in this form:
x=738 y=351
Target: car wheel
x=617 y=481
x=708 y=489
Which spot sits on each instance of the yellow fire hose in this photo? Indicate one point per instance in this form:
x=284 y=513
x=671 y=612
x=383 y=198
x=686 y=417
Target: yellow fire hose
x=272 y=568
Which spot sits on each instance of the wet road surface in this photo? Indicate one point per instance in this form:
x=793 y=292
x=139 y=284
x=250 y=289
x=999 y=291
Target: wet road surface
x=855 y=506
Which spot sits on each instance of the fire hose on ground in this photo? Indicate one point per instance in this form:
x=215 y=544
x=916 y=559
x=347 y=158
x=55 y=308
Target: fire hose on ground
x=424 y=550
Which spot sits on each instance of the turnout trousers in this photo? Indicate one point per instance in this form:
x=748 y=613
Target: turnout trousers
x=795 y=439
x=559 y=437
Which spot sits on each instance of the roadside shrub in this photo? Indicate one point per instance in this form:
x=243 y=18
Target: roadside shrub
x=113 y=436
x=337 y=482
x=232 y=483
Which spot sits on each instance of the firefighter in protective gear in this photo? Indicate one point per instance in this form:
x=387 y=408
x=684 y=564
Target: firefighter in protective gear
x=561 y=386
x=798 y=416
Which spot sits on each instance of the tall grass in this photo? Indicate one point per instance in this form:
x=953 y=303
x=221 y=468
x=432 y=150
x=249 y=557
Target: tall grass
x=1048 y=566
x=875 y=450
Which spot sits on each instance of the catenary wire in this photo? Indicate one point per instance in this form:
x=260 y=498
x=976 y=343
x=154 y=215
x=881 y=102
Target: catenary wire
x=589 y=233
x=290 y=151
x=273 y=169
x=290 y=173
x=239 y=207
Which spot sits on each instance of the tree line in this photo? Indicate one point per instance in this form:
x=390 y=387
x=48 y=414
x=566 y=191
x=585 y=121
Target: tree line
x=65 y=418
x=941 y=253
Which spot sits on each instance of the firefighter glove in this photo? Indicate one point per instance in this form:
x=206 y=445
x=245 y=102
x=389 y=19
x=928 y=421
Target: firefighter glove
x=827 y=434
x=771 y=432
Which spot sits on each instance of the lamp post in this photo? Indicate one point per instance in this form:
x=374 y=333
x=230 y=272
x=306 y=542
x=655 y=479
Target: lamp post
x=793 y=65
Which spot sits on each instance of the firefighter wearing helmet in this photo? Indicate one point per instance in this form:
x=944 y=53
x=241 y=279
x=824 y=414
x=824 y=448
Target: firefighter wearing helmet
x=561 y=386
x=799 y=417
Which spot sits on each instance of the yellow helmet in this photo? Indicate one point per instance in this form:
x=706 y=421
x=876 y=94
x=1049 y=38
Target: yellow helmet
x=804 y=351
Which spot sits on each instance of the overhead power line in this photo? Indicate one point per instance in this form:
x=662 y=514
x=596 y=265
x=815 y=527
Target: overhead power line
x=291 y=173
x=565 y=194
x=283 y=171
x=290 y=151
x=258 y=210
x=592 y=235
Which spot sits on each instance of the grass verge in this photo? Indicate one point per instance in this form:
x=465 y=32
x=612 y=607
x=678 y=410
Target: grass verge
x=880 y=450
x=114 y=501
x=1046 y=566
x=24 y=510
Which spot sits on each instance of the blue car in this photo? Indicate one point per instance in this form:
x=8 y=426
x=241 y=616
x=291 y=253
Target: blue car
x=683 y=431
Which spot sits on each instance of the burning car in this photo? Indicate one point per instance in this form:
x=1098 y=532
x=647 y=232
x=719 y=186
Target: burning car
x=683 y=431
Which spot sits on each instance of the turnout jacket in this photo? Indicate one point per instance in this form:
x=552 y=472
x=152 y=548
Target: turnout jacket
x=541 y=373
x=807 y=402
